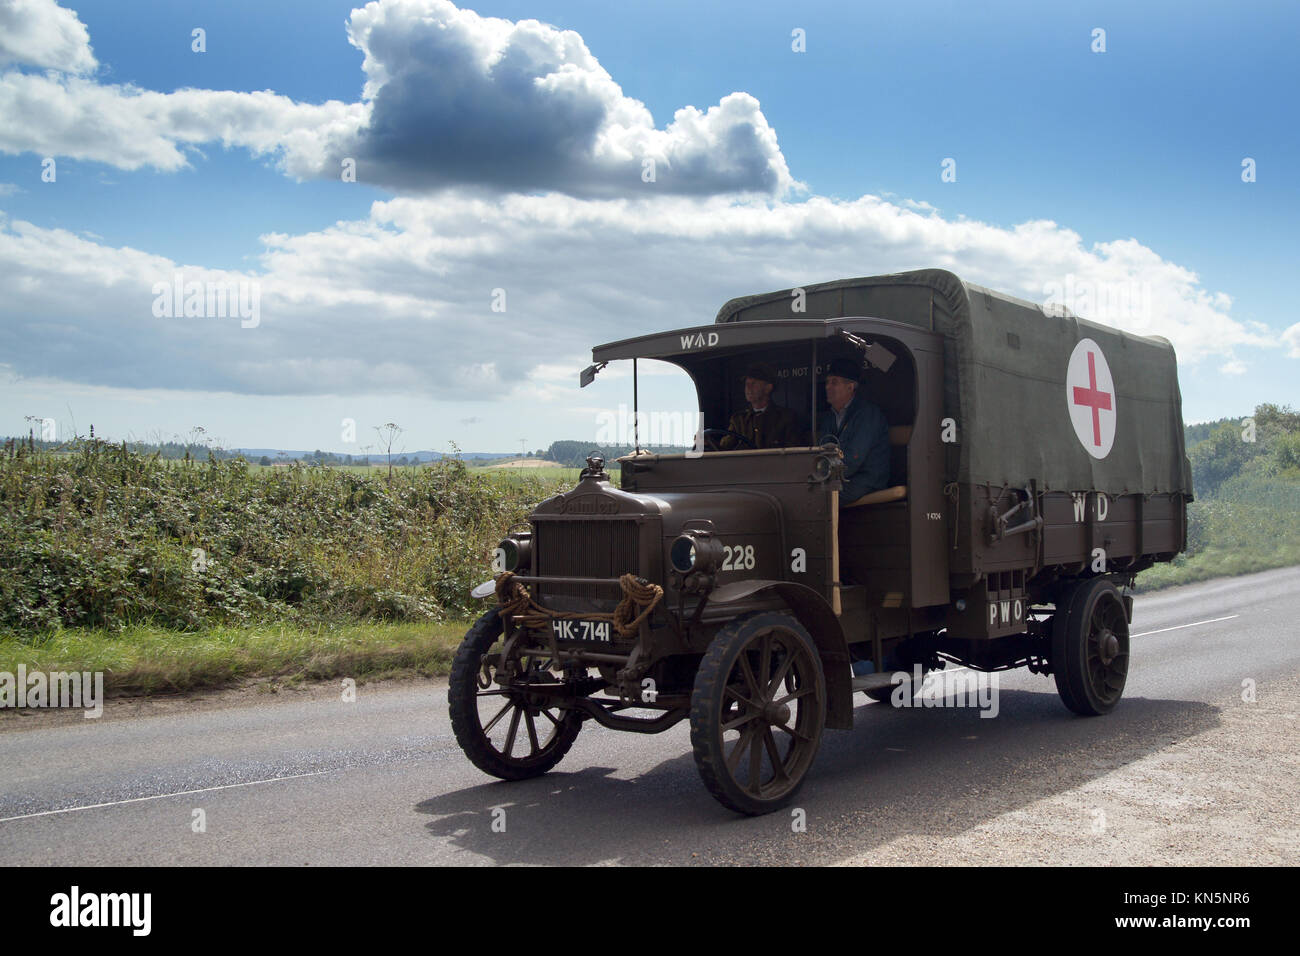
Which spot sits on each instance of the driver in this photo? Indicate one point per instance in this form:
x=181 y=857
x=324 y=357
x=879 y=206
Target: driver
x=763 y=422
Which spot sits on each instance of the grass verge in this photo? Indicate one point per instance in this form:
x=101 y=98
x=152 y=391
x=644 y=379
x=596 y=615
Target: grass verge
x=1214 y=564
x=152 y=660
x=147 y=660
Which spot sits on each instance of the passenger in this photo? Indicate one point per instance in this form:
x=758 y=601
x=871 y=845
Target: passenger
x=861 y=429
x=765 y=423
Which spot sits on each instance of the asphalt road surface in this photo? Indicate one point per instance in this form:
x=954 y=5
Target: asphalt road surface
x=1200 y=763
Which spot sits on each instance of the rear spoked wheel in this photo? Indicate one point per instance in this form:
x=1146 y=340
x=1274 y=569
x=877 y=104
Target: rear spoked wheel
x=757 y=712
x=1090 y=648
x=504 y=729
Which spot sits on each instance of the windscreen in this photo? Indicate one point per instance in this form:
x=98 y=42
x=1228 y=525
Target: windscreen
x=662 y=415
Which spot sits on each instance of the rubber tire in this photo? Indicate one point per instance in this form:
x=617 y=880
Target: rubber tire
x=462 y=694
x=706 y=701
x=1069 y=646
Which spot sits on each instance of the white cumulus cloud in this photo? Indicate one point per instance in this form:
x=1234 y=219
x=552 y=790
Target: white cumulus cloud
x=40 y=33
x=127 y=127
x=402 y=301
x=460 y=99
x=450 y=99
x=1291 y=336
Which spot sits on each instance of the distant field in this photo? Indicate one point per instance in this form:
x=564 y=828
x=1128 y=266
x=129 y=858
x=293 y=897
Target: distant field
x=547 y=471
x=507 y=469
x=556 y=473
x=522 y=463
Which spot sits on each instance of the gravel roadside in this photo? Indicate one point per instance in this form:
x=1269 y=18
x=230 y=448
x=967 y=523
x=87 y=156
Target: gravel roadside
x=1225 y=797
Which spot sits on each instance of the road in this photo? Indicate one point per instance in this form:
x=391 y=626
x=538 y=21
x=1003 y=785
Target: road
x=1188 y=769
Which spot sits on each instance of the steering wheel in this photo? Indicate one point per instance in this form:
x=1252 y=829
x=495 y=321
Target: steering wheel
x=713 y=437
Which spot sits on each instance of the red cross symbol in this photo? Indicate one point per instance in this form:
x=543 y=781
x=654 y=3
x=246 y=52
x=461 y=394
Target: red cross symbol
x=1093 y=398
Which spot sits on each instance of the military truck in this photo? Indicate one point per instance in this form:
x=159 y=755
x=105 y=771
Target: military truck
x=1037 y=465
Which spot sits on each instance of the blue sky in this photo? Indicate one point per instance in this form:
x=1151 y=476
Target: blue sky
x=376 y=292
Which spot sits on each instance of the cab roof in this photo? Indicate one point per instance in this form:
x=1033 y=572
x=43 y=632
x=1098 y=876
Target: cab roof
x=738 y=336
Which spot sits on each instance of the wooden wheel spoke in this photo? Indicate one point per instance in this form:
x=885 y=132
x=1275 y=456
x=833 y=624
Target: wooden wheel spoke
x=500 y=713
x=773 y=752
x=532 y=732
x=738 y=722
x=738 y=696
x=765 y=662
x=750 y=680
x=793 y=732
x=801 y=692
x=733 y=759
x=514 y=729
x=547 y=714
x=780 y=675
x=755 y=761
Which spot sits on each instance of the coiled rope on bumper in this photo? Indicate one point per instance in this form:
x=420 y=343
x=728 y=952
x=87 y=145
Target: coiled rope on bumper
x=638 y=594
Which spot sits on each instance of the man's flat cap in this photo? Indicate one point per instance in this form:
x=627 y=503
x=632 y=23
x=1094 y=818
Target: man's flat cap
x=845 y=368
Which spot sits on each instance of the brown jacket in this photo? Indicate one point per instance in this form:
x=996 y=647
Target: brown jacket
x=774 y=427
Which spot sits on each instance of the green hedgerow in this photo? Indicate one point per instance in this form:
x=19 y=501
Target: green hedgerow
x=98 y=535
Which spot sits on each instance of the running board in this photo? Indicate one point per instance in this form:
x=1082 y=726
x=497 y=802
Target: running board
x=872 y=682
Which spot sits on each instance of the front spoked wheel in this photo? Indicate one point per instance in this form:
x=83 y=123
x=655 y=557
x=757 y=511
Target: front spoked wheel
x=757 y=712
x=504 y=729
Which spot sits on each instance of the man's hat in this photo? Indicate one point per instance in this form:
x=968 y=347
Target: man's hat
x=845 y=368
x=761 y=371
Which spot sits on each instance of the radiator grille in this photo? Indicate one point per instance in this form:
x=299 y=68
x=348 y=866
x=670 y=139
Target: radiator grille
x=585 y=549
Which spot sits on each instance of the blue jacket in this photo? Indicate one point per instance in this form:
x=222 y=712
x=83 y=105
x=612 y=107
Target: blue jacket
x=864 y=440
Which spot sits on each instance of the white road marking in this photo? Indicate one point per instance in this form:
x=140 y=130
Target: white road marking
x=160 y=796
x=1193 y=624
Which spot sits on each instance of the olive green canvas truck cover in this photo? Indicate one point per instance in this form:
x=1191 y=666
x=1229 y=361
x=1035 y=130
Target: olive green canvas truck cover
x=1005 y=386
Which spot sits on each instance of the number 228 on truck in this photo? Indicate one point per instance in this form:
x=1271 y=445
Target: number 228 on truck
x=1035 y=464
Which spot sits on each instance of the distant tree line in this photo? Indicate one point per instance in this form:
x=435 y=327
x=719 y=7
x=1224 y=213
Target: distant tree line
x=1259 y=446
x=179 y=451
x=1246 y=515
x=170 y=450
